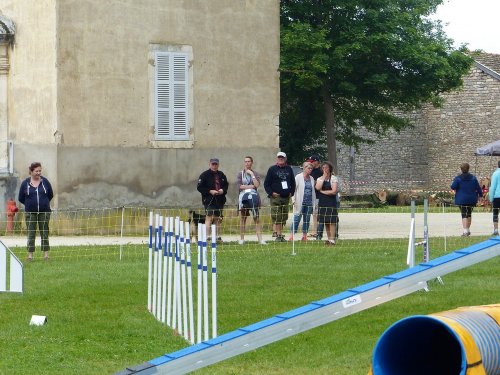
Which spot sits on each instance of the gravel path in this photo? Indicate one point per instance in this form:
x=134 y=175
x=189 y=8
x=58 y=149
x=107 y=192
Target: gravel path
x=352 y=226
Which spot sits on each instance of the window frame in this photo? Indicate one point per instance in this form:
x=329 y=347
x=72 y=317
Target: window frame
x=179 y=97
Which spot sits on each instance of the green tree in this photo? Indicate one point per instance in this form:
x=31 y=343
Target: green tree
x=348 y=65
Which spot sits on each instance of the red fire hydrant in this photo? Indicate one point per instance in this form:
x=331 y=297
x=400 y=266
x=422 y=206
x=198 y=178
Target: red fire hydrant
x=11 y=212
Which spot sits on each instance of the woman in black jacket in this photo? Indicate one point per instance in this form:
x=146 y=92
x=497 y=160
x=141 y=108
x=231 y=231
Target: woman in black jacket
x=35 y=194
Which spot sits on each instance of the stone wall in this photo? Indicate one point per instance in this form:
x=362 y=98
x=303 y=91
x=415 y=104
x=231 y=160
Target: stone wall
x=428 y=155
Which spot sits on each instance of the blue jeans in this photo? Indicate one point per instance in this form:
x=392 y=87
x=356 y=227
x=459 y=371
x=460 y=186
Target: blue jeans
x=305 y=212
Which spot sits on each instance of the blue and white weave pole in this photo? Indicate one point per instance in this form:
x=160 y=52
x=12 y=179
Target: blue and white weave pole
x=171 y=249
x=177 y=276
x=183 y=283
x=205 y=284
x=150 y=261
x=175 y=279
x=199 y=294
x=165 y=267
x=155 y=266
x=189 y=285
x=214 y=282
x=159 y=301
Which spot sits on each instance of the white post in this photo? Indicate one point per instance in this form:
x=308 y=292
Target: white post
x=444 y=230
x=121 y=233
x=183 y=283
x=165 y=266
x=155 y=266
x=178 y=297
x=160 y=269
x=426 y=256
x=190 y=284
x=170 y=270
x=410 y=258
x=150 y=259
x=205 y=283
x=199 y=322
x=214 y=282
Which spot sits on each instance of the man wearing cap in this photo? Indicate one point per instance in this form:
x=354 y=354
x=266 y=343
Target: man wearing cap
x=280 y=186
x=316 y=173
x=212 y=184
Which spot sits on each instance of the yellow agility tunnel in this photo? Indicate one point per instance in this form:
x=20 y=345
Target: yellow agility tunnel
x=464 y=341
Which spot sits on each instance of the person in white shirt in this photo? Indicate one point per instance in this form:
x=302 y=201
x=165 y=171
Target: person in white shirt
x=304 y=200
x=248 y=182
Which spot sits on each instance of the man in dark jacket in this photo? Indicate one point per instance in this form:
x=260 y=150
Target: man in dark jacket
x=212 y=184
x=467 y=192
x=280 y=187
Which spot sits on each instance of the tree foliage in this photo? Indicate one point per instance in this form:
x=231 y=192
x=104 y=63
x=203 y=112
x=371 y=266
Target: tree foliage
x=348 y=65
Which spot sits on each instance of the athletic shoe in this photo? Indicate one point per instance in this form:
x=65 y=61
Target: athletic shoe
x=291 y=238
x=280 y=238
x=304 y=238
x=318 y=237
x=241 y=242
x=219 y=240
x=495 y=232
x=275 y=234
x=263 y=242
x=329 y=242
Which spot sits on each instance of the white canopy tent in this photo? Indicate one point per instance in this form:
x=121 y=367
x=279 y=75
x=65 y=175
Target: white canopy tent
x=491 y=149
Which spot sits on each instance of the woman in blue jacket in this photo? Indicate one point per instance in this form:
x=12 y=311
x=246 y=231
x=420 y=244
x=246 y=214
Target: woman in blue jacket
x=35 y=194
x=467 y=192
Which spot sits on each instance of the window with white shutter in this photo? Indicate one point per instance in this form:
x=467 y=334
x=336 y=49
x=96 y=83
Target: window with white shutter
x=171 y=94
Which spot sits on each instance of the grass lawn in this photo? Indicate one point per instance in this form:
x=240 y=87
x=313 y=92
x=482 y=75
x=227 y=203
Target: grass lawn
x=98 y=322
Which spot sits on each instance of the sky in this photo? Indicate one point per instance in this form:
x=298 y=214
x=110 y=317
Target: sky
x=475 y=22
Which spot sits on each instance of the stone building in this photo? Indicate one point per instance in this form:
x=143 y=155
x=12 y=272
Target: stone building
x=428 y=155
x=125 y=102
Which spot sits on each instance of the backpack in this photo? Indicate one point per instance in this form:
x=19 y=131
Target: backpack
x=250 y=200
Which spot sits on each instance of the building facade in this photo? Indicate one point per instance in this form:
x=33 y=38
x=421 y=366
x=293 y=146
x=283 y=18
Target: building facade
x=125 y=102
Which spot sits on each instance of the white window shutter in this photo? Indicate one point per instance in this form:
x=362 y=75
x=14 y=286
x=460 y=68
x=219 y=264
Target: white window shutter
x=171 y=96
x=180 y=97
x=162 y=128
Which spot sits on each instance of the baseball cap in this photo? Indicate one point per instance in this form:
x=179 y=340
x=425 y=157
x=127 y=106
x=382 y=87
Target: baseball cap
x=214 y=160
x=281 y=154
x=313 y=158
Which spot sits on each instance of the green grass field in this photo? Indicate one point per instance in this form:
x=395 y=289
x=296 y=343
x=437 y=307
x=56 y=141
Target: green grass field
x=98 y=322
